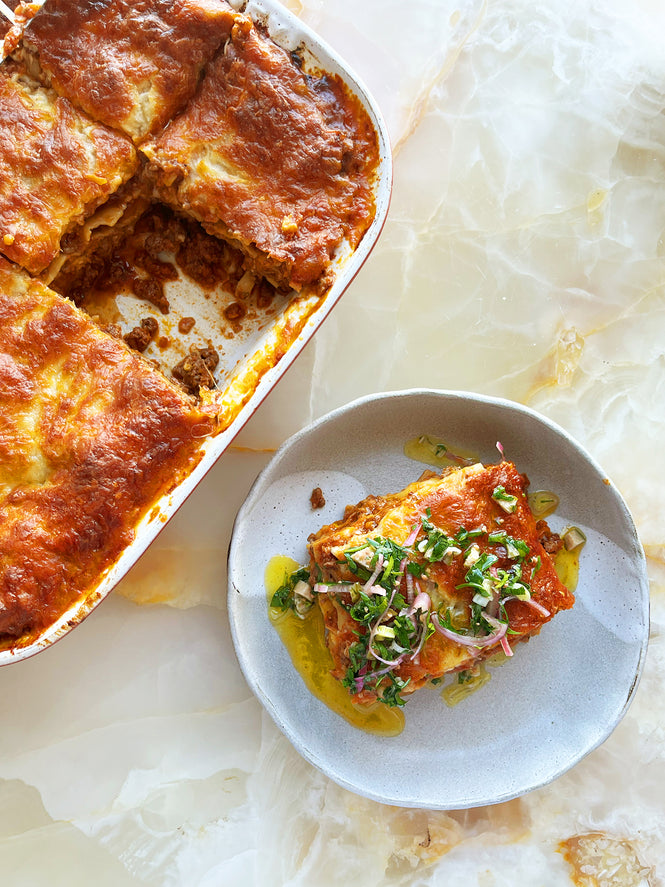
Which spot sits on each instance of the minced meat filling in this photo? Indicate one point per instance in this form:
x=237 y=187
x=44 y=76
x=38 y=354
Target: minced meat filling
x=196 y=369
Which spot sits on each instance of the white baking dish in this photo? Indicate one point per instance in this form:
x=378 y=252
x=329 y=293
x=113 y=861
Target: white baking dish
x=245 y=350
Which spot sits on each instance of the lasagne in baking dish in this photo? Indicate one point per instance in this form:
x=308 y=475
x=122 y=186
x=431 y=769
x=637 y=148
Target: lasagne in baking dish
x=90 y=437
x=431 y=580
x=57 y=167
x=147 y=144
x=278 y=162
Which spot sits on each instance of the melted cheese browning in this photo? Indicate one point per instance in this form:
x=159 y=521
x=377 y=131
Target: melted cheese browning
x=279 y=162
x=56 y=167
x=90 y=436
x=130 y=63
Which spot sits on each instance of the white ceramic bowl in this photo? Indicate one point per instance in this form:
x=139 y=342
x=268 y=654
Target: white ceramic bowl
x=559 y=697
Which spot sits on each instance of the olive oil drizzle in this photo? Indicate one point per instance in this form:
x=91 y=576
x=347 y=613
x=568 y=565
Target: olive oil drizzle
x=434 y=451
x=304 y=640
x=567 y=565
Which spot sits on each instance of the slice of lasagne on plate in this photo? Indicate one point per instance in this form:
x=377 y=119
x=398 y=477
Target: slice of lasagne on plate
x=90 y=437
x=432 y=580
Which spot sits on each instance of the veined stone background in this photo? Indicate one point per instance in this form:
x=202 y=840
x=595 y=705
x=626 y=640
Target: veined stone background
x=524 y=256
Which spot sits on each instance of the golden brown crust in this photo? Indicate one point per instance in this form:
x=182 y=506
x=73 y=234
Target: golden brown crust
x=90 y=437
x=56 y=167
x=280 y=161
x=130 y=63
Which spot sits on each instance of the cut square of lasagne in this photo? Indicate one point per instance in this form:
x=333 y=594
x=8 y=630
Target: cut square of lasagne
x=57 y=167
x=130 y=63
x=277 y=161
x=90 y=437
x=432 y=580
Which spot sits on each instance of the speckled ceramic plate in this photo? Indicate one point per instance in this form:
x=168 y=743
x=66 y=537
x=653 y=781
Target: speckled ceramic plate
x=559 y=697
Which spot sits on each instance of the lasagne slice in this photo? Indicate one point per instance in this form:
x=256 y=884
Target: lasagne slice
x=132 y=64
x=57 y=168
x=90 y=438
x=432 y=580
x=276 y=161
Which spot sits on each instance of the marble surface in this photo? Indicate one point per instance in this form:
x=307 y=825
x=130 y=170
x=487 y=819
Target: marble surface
x=524 y=256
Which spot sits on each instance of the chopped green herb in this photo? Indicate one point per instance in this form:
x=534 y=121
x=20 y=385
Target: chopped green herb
x=516 y=549
x=436 y=543
x=391 y=695
x=283 y=599
x=464 y=677
x=367 y=609
x=507 y=501
x=417 y=570
x=465 y=538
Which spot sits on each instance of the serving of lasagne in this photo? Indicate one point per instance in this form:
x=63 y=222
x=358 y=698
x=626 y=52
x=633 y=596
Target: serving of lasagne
x=430 y=581
x=145 y=144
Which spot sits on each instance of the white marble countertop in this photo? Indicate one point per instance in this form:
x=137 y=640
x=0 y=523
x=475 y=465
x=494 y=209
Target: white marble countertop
x=524 y=256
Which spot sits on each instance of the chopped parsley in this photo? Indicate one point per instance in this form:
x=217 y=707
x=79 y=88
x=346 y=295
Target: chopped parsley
x=506 y=501
x=283 y=598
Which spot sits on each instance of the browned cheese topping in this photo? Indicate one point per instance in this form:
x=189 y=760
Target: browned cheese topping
x=90 y=436
x=132 y=64
x=260 y=128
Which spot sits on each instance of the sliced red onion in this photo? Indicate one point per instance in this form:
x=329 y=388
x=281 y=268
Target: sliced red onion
x=499 y=447
x=409 y=589
x=391 y=662
x=506 y=646
x=492 y=608
x=324 y=588
x=422 y=602
x=466 y=640
x=419 y=646
x=360 y=679
x=413 y=535
x=383 y=671
x=377 y=569
x=538 y=607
